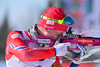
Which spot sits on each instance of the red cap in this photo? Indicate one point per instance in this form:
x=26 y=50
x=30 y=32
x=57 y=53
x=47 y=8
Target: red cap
x=54 y=13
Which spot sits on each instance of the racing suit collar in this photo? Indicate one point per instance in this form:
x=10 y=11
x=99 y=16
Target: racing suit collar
x=33 y=32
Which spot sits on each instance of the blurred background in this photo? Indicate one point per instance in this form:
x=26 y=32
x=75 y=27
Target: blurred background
x=22 y=14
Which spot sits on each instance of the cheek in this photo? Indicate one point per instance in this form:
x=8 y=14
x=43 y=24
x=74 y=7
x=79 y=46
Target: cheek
x=55 y=35
x=60 y=34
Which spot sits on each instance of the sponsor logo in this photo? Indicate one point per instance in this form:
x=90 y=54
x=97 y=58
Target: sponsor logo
x=49 y=27
x=16 y=36
x=44 y=40
x=50 y=22
x=85 y=41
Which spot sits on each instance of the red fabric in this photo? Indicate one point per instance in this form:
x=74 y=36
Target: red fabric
x=27 y=54
x=28 y=34
x=57 y=59
x=54 y=13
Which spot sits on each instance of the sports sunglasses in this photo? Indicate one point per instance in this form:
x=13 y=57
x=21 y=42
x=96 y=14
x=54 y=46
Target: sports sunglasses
x=65 y=20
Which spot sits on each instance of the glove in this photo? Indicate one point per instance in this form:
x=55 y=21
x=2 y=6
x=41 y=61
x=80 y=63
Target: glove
x=61 y=48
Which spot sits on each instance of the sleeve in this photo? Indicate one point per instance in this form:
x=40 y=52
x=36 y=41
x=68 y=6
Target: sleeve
x=18 y=48
x=74 y=65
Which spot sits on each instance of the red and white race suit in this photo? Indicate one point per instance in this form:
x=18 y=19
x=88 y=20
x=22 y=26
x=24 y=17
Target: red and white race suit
x=19 y=54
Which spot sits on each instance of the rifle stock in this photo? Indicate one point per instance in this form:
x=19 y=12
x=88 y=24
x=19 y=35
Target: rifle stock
x=84 y=41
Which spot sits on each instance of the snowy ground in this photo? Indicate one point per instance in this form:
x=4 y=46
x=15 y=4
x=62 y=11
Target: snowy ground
x=2 y=64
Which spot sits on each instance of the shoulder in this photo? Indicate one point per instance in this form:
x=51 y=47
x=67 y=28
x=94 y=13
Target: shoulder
x=14 y=34
x=15 y=31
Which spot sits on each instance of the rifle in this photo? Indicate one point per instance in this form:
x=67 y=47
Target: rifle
x=74 y=39
x=84 y=41
x=78 y=39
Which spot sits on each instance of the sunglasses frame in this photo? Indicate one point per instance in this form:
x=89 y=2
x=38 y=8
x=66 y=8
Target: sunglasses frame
x=58 y=21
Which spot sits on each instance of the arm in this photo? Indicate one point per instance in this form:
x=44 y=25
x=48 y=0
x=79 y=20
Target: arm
x=18 y=48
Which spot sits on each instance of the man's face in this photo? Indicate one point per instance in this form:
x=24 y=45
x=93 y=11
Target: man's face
x=56 y=33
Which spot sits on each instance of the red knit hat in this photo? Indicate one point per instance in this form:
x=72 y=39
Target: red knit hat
x=55 y=13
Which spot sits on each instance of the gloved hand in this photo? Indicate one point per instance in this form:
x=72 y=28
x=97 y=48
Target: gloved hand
x=61 y=48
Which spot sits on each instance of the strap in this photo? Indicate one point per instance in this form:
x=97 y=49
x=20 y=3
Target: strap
x=46 y=18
